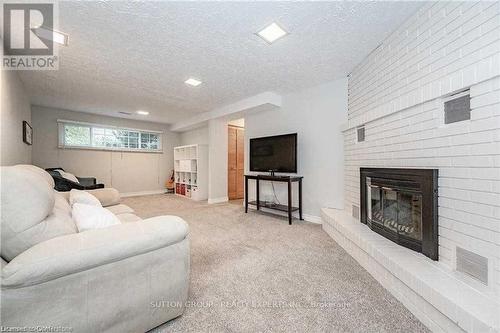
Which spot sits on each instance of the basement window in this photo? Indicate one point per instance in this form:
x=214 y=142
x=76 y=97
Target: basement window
x=102 y=137
x=457 y=107
x=360 y=134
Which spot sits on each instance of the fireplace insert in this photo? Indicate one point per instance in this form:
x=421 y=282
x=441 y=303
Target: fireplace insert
x=401 y=205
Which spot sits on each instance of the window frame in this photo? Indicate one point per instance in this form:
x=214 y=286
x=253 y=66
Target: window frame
x=61 y=123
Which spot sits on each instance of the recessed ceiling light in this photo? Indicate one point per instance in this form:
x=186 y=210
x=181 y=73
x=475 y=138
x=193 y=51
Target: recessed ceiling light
x=272 y=33
x=55 y=36
x=142 y=113
x=192 y=82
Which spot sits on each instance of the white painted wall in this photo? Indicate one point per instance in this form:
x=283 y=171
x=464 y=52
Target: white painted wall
x=397 y=92
x=237 y=122
x=195 y=136
x=316 y=114
x=217 y=160
x=129 y=172
x=14 y=109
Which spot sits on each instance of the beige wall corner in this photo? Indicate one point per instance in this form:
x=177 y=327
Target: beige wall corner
x=15 y=107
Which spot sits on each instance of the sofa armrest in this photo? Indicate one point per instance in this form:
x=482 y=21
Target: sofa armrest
x=107 y=196
x=78 y=252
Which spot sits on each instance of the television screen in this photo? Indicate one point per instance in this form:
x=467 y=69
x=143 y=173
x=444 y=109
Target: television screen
x=274 y=153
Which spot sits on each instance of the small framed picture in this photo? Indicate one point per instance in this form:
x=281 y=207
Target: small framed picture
x=27 y=133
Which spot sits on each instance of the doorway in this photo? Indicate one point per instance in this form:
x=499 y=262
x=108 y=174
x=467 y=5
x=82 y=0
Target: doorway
x=236 y=159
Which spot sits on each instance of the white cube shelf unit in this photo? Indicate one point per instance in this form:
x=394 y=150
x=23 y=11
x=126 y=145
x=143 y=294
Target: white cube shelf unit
x=191 y=171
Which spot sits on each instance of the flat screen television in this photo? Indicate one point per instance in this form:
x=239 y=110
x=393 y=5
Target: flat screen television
x=274 y=153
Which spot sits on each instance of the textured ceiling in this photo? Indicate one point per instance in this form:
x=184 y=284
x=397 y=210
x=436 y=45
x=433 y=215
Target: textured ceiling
x=125 y=56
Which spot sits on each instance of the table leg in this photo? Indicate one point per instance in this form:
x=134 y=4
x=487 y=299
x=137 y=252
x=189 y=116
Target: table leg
x=300 y=199
x=246 y=195
x=257 y=189
x=289 y=202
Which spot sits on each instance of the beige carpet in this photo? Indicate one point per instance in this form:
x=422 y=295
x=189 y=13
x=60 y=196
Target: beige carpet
x=255 y=273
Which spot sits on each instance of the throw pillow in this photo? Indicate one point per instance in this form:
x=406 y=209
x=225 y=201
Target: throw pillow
x=78 y=196
x=88 y=217
x=68 y=176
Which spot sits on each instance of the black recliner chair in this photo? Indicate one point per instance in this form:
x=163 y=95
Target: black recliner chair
x=64 y=185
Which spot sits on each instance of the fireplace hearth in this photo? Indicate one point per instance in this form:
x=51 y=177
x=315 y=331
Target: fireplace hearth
x=401 y=205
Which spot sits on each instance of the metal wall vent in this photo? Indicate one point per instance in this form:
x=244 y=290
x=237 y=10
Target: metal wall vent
x=360 y=134
x=472 y=264
x=355 y=212
x=457 y=107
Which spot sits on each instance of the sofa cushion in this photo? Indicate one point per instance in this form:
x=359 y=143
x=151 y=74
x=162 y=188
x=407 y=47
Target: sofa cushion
x=77 y=196
x=128 y=217
x=65 y=195
x=88 y=217
x=62 y=202
x=28 y=211
x=48 y=178
x=56 y=224
x=120 y=209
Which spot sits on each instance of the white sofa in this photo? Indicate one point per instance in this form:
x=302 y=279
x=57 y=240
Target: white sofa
x=129 y=277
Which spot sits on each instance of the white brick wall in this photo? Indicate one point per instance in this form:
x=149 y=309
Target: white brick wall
x=397 y=93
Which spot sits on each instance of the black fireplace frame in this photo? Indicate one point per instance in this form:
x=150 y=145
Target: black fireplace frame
x=426 y=182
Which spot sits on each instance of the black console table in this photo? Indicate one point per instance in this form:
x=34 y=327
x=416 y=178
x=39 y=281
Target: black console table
x=284 y=208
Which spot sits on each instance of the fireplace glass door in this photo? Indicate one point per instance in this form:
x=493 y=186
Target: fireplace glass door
x=390 y=209
x=410 y=215
x=396 y=210
x=374 y=208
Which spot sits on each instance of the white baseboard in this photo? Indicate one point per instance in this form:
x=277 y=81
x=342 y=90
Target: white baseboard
x=307 y=217
x=136 y=194
x=218 y=200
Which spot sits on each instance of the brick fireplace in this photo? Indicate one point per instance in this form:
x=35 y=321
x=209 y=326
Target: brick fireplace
x=428 y=98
